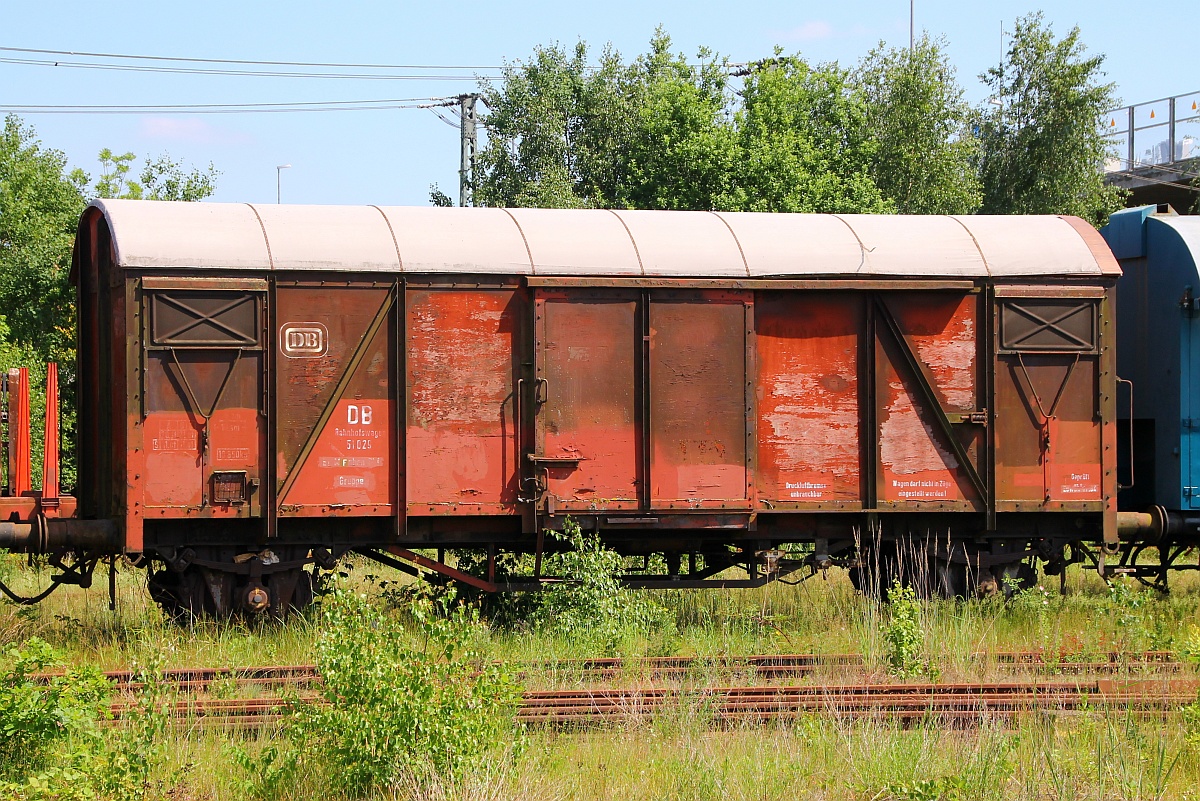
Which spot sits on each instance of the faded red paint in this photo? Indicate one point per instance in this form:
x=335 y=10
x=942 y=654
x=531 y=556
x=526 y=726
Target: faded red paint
x=304 y=381
x=352 y=461
x=587 y=400
x=698 y=414
x=808 y=415
x=917 y=464
x=1048 y=458
x=460 y=359
x=177 y=472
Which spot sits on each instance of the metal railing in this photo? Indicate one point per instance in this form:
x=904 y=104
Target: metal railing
x=1153 y=133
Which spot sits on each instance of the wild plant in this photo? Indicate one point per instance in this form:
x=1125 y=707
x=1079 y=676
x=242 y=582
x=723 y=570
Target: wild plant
x=590 y=605
x=1138 y=620
x=397 y=705
x=903 y=634
x=53 y=744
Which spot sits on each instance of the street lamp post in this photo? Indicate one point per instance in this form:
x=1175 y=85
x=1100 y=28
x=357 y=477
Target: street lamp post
x=278 y=172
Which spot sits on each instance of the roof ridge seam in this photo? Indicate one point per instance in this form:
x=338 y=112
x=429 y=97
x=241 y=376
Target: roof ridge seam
x=861 y=247
x=736 y=241
x=395 y=242
x=971 y=234
x=524 y=239
x=637 y=253
x=266 y=239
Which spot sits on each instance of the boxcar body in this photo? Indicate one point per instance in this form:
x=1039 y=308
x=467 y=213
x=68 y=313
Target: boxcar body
x=265 y=386
x=1159 y=359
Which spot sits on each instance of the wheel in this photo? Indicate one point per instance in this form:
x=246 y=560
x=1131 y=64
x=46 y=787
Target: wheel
x=949 y=579
x=1015 y=577
x=877 y=571
x=183 y=596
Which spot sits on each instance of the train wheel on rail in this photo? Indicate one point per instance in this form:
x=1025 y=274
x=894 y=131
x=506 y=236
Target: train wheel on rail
x=182 y=595
x=876 y=571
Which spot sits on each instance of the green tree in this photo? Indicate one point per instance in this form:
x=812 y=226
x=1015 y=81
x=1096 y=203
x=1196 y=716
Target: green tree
x=1042 y=147
x=803 y=142
x=680 y=149
x=663 y=133
x=533 y=119
x=41 y=200
x=161 y=178
x=40 y=203
x=926 y=155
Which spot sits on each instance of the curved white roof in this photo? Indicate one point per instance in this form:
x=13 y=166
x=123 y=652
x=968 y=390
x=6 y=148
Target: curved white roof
x=593 y=242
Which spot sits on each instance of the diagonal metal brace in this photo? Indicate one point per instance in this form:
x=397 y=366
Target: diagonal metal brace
x=917 y=368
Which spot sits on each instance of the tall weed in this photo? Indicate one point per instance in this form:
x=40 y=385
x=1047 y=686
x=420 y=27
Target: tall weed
x=53 y=741
x=590 y=605
x=398 y=707
x=903 y=634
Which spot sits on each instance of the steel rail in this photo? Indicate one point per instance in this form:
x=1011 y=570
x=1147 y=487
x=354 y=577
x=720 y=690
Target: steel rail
x=954 y=702
x=762 y=666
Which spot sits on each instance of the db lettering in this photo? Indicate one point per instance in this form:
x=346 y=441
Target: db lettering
x=358 y=415
x=303 y=340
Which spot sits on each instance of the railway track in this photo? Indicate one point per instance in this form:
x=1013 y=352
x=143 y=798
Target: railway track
x=951 y=703
x=1151 y=685
x=763 y=667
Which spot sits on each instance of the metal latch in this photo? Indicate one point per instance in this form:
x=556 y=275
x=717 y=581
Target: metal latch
x=978 y=418
x=551 y=461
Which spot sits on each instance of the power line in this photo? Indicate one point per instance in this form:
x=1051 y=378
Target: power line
x=163 y=106
x=244 y=73
x=206 y=110
x=324 y=65
x=335 y=65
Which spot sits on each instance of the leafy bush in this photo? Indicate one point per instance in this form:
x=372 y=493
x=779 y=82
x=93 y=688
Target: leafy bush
x=396 y=707
x=1139 y=622
x=52 y=743
x=590 y=604
x=903 y=634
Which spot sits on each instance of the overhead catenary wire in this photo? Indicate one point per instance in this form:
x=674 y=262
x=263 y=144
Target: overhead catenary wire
x=360 y=76
x=248 y=62
x=313 y=69
x=223 y=111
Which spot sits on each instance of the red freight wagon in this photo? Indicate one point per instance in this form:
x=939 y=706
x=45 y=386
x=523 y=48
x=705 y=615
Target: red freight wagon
x=265 y=387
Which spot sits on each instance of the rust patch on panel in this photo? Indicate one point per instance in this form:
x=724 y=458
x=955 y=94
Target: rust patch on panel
x=698 y=413
x=587 y=394
x=306 y=378
x=1047 y=453
x=351 y=462
x=917 y=463
x=176 y=465
x=461 y=362
x=808 y=429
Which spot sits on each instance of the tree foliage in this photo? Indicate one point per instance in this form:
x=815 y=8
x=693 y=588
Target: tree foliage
x=663 y=133
x=892 y=135
x=803 y=143
x=40 y=203
x=41 y=200
x=161 y=178
x=1042 y=147
x=926 y=153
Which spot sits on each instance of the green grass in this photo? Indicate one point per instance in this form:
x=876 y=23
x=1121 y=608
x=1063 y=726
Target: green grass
x=674 y=754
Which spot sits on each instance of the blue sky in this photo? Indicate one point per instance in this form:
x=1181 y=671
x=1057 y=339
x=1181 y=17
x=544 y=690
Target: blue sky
x=391 y=157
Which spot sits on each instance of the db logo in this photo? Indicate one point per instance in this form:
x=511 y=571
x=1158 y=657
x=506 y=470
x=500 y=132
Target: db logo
x=303 y=340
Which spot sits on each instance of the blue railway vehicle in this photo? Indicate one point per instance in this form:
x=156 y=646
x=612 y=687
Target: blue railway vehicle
x=1158 y=409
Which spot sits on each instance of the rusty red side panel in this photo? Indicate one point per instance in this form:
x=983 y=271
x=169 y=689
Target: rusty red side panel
x=586 y=395
x=199 y=436
x=807 y=394
x=916 y=462
x=1047 y=386
x=336 y=438
x=699 y=419
x=461 y=433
